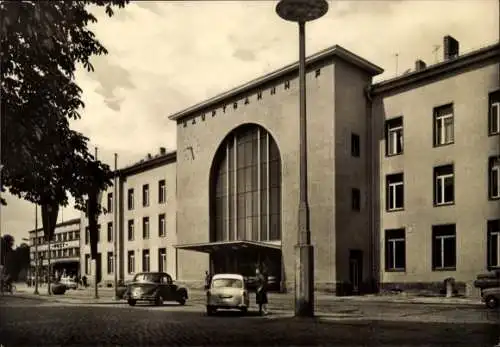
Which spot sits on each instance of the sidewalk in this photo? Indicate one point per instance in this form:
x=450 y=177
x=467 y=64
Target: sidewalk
x=106 y=296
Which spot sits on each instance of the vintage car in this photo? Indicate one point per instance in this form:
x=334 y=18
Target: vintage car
x=155 y=287
x=227 y=291
x=491 y=297
x=488 y=280
x=69 y=283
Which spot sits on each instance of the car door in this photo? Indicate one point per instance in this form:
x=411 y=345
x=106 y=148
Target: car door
x=164 y=287
x=170 y=288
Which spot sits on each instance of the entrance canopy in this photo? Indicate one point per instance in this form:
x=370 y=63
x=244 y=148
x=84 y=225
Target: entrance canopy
x=210 y=247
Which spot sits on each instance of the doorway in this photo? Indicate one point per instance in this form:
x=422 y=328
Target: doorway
x=356 y=270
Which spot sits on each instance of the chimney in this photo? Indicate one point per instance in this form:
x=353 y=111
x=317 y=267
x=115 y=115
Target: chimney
x=450 y=46
x=150 y=156
x=163 y=150
x=420 y=65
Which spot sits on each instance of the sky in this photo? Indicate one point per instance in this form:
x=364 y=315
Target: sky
x=165 y=56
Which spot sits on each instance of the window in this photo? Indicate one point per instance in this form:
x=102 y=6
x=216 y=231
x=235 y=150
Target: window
x=494 y=177
x=145 y=228
x=130 y=199
x=130 y=230
x=87 y=264
x=240 y=207
x=131 y=262
x=355 y=199
x=494 y=113
x=161 y=225
x=162 y=259
x=77 y=235
x=443 y=125
x=77 y=252
x=110 y=231
x=145 y=195
x=444 y=252
x=395 y=250
x=444 y=185
x=145 y=260
x=111 y=263
x=493 y=246
x=355 y=145
x=394 y=192
x=87 y=235
x=162 y=192
x=109 y=207
x=394 y=136
x=65 y=237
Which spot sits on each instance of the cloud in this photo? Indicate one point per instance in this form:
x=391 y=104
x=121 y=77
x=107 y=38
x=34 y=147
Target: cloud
x=166 y=56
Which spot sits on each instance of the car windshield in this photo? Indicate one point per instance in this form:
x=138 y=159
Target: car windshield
x=227 y=283
x=147 y=278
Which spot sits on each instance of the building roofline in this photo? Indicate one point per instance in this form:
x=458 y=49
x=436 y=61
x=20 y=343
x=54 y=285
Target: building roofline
x=62 y=224
x=460 y=63
x=148 y=164
x=328 y=53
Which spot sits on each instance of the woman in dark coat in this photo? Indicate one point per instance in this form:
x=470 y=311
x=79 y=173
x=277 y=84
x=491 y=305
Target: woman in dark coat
x=261 y=296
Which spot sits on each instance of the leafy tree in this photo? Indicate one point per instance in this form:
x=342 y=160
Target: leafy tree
x=6 y=249
x=42 y=44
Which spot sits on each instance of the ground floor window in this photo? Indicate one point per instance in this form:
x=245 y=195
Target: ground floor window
x=444 y=247
x=493 y=246
x=395 y=250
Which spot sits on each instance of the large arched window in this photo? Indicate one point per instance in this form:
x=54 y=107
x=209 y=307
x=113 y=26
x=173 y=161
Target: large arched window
x=245 y=187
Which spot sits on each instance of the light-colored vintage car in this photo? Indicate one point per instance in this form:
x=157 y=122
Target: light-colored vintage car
x=227 y=291
x=491 y=297
x=69 y=283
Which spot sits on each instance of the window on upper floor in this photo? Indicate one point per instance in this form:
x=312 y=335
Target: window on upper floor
x=395 y=250
x=394 y=136
x=493 y=244
x=109 y=207
x=145 y=228
x=444 y=185
x=494 y=113
x=162 y=192
x=443 y=125
x=355 y=199
x=355 y=145
x=394 y=192
x=130 y=199
x=444 y=247
x=87 y=235
x=494 y=177
x=130 y=230
x=145 y=195
x=162 y=231
x=110 y=232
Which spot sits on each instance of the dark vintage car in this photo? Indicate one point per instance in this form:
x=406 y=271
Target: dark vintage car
x=155 y=287
x=488 y=280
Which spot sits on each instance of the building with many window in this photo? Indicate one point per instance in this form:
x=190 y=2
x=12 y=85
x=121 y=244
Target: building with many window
x=140 y=213
x=64 y=249
x=438 y=147
x=403 y=179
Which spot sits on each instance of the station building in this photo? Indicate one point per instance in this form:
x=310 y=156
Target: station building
x=403 y=177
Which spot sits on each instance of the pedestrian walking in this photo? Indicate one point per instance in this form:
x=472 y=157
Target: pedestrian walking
x=208 y=279
x=261 y=295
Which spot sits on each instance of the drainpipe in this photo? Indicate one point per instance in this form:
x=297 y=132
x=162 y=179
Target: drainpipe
x=371 y=151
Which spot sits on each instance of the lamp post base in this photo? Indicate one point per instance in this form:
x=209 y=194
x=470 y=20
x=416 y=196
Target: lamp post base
x=304 y=281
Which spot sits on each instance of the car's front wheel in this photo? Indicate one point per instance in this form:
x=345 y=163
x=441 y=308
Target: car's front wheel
x=159 y=300
x=491 y=302
x=211 y=310
x=132 y=302
x=244 y=310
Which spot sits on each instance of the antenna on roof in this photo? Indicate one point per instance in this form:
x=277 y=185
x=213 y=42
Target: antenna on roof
x=435 y=51
x=397 y=62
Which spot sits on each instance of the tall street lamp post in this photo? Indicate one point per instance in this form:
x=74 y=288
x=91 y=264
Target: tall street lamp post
x=35 y=241
x=302 y=11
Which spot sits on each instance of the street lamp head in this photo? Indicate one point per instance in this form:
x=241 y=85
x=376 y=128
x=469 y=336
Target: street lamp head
x=301 y=10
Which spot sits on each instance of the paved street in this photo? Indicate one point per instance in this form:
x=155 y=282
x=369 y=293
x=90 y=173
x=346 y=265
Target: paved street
x=29 y=322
